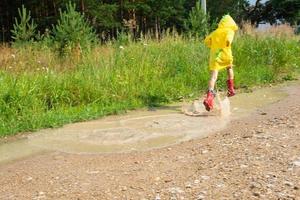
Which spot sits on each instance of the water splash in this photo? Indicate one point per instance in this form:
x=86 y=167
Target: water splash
x=141 y=130
x=221 y=108
x=224 y=106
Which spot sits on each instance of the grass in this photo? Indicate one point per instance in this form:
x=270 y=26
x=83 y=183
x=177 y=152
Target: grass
x=38 y=89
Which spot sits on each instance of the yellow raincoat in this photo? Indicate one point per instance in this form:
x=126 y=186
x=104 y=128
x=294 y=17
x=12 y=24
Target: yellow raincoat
x=219 y=43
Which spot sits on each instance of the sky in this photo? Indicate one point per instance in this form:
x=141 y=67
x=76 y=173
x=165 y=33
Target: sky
x=253 y=1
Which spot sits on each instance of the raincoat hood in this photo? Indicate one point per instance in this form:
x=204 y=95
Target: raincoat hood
x=228 y=22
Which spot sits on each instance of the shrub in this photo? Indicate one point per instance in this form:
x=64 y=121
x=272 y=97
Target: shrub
x=24 y=31
x=197 y=23
x=73 y=31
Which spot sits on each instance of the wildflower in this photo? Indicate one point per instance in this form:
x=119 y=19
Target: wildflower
x=145 y=44
x=121 y=47
x=13 y=56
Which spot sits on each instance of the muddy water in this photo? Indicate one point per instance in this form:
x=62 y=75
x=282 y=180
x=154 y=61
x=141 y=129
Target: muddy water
x=243 y=104
x=139 y=130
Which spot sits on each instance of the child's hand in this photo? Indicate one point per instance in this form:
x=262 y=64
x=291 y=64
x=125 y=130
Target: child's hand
x=208 y=41
x=227 y=43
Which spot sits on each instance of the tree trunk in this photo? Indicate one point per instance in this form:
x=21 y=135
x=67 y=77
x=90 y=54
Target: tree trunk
x=54 y=8
x=159 y=28
x=8 y=22
x=121 y=10
x=156 y=28
x=82 y=7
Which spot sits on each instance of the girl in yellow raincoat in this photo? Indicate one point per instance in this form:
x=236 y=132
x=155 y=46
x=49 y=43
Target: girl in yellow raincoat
x=219 y=42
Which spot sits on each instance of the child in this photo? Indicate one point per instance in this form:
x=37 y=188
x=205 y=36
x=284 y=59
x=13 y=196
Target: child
x=219 y=43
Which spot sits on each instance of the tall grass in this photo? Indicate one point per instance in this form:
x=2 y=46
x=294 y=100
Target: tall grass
x=38 y=89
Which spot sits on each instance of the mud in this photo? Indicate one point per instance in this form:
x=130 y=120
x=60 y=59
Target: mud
x=140 y=130
x=256 y=156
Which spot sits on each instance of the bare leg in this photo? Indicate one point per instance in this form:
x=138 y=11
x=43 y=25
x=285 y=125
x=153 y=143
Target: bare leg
x=230 y=73
x=213 y=79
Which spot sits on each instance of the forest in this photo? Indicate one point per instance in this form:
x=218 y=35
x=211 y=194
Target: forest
x=108 y=17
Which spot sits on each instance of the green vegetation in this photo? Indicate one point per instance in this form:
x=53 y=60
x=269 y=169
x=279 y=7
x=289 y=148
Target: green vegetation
x=73 y=31
x=40 y=89
x=24 y=30
x=197 y=22
x=64 y=75
x=108 y=17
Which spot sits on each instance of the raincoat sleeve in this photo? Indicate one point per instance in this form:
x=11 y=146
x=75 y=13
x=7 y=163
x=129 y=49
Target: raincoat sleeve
x=208 y=41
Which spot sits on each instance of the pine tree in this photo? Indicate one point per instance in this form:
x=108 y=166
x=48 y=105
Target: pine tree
x=73 y=31
x=24 y=30
x=197 y=22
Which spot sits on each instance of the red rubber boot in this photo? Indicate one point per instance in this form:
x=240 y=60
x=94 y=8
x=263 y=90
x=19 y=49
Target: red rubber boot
x=230 y=86
x=209 y=100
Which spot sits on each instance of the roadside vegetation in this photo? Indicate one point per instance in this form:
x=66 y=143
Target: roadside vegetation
x=68 y=76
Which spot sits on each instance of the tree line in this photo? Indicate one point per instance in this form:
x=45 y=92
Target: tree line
x=108 y=17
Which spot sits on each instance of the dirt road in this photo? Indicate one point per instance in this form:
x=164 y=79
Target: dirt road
x=254 y=157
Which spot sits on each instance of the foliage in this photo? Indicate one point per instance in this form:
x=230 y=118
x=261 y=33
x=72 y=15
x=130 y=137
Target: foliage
x=283 y=10
x=24 y=30
x=197 y=22
x=38 y=90
x=73 y=32
x=108 y=17
x=236 y=8
x=103 y=16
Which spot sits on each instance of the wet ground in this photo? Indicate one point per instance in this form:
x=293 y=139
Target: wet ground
x=141 y=130
x=255 y=155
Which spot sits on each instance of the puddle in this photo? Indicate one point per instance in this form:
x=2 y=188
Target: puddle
x=244 y=103
x=137 y=130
